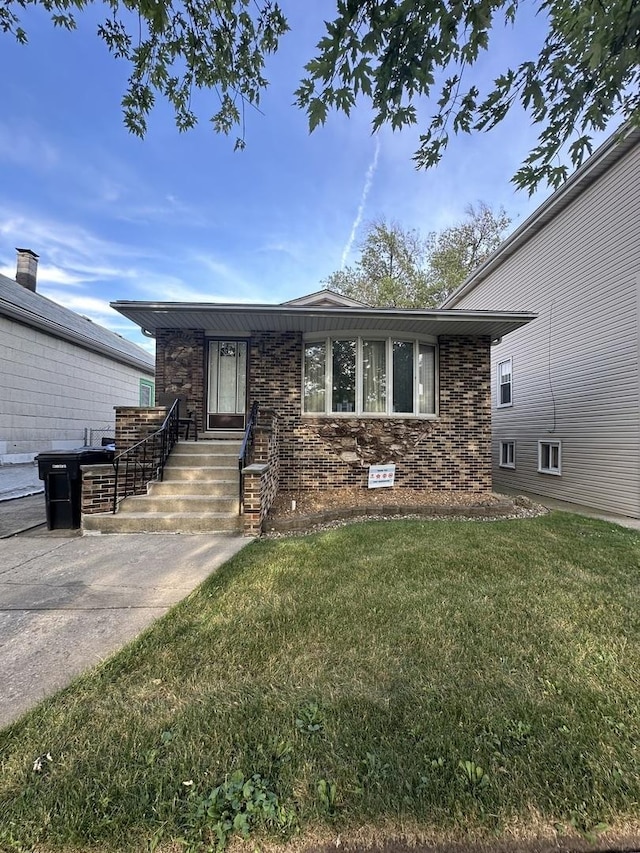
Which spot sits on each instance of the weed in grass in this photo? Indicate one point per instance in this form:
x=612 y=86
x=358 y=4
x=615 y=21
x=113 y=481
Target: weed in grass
x=238 y=806
x=473 y=775
x=372 y=773
x=327 y=795
x=310 y=719
x=276 y=752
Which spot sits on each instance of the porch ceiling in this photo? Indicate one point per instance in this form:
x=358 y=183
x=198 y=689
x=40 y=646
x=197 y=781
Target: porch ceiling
x=240 y=319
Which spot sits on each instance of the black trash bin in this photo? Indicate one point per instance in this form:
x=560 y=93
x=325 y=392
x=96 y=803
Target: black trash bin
x=60 y=470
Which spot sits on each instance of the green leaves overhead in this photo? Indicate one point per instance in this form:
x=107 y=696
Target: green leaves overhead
x=175 y=47
x=393 y=53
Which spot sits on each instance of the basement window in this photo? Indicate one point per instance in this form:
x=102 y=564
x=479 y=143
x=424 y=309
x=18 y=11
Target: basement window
x=550 y=457
x=507 y=454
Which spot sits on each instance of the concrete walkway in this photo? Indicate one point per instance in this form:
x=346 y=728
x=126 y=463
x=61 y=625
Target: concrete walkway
x=67 y=602
x=578 y=509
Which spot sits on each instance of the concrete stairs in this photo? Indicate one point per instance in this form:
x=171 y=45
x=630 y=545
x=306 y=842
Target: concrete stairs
x=199 y=494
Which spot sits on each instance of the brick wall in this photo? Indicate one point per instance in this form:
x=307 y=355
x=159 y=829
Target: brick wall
x=180 y=367
x=260 y=487
x=133 y=423
x=452 y=452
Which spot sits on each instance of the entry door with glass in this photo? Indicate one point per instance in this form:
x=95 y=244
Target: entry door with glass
x=227 y=391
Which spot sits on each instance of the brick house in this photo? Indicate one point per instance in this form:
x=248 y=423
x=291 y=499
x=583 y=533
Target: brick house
x=339 y=385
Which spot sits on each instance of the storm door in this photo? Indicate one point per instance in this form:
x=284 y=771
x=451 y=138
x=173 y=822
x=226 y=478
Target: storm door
x=226 y=394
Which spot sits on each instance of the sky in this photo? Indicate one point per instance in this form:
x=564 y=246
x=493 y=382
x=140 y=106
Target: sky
x=182 y=217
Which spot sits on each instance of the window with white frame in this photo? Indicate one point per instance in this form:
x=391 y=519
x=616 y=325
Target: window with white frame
x=507 y=454
x=369 y=375
x=505 y=383
x=550 y=457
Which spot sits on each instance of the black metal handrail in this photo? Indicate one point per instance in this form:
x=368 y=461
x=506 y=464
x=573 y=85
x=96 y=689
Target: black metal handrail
x=246 y=448
x=144 y=461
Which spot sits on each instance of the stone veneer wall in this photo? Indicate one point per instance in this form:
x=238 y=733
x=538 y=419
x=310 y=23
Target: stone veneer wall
x=180 y=367
x=452 y=452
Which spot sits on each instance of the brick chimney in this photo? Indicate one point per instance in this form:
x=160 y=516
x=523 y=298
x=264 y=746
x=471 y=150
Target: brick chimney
x=27 y=271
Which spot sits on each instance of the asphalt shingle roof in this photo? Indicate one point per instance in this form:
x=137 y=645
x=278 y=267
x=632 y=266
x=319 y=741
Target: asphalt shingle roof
x=32 y=309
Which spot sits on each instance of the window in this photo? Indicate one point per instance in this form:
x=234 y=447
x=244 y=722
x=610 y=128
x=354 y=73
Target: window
x=146 y=392
x=504 y=384
x=369 y=376
x=550 y=457
x=507 y=454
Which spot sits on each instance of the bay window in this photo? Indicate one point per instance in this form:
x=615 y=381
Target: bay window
x=369 y=375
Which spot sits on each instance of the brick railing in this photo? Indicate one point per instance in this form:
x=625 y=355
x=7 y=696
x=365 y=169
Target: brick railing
x=133 y=423
x=261 y=477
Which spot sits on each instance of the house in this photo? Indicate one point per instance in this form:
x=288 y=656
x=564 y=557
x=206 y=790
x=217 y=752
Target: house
x=566 y=387
x=61 y=374
x=339 y=387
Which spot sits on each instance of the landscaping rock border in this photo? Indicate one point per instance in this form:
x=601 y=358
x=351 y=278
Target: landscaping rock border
x=519 y=507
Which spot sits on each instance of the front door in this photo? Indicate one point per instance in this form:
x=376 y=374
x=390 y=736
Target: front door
x=227 y=391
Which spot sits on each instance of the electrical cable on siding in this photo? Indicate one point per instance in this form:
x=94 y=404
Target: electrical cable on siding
x=553 y=396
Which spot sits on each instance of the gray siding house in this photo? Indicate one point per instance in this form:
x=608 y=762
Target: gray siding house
x=61 y=374
x=566 y=387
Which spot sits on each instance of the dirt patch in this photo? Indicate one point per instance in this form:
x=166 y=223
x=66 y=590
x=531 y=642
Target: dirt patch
x=292 y=504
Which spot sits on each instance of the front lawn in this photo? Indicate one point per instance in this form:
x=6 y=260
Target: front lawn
x=438 y=680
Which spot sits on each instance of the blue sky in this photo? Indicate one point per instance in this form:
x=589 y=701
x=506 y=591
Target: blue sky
x=182 y=217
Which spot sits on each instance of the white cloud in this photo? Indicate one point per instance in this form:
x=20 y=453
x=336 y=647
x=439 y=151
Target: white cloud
x=89 y=306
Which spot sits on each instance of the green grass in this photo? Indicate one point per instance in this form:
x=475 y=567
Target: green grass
x=365 y=674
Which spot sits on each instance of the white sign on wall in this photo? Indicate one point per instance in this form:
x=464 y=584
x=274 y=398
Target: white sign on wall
x=381 y=475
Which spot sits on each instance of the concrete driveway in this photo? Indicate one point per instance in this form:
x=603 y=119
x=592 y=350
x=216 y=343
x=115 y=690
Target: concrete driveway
x=68 y=602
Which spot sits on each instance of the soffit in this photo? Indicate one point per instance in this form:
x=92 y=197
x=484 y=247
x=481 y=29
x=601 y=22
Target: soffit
x=234 y=319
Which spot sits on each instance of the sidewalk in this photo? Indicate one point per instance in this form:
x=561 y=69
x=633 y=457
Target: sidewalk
x=18 y=481
x=68 y=603
x=22 y=504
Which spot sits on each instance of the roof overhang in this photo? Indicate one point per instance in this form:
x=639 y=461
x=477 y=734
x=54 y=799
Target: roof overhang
x=222 y=319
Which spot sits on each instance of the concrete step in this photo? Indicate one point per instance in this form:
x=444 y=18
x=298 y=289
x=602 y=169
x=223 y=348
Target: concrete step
x=202 y=460
x=199 y=448
x=175 y=522
x=170 y=504
x=214 y=488
x=176 y=473
x=222 y=435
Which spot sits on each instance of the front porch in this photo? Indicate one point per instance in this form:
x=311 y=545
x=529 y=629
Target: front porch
x=223 y=482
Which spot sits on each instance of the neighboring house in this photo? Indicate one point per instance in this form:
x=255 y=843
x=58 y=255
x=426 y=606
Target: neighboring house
x=344 y=385
x=62 y=375
x=566 y=387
